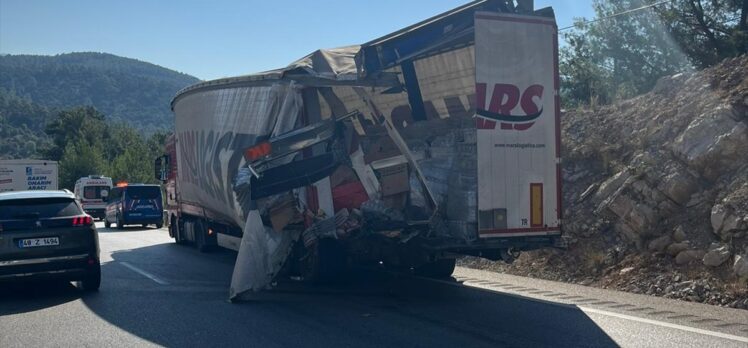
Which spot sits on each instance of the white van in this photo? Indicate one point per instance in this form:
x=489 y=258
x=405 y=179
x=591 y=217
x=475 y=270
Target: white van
x=90 y=191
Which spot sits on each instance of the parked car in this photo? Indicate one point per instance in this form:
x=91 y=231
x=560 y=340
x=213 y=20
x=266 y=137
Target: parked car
x=46 y=235
x=134 y=204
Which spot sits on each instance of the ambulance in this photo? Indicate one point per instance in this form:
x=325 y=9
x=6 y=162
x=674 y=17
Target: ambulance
x=91 y=191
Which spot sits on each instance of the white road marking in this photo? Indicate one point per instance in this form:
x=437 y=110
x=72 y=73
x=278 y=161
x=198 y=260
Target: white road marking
x=597 y=311
x=144 y=273
x=664 y=324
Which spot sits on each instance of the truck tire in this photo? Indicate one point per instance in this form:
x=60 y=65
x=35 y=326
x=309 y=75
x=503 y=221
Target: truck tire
x=324 y=262
x=441 y=268
x=107 y=224
x=201 y=236
x=120 y=224
x=175 y=230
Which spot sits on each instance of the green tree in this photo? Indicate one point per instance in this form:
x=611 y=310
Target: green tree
x=583 y=80
x=624 y=52
x=77 y=124
x=619 y=56
x=121 y=137
x=134 y=165
x=708 y=31
x=80 y=159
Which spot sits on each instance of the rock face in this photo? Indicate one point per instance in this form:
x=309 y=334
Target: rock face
x=661 y=174
x=669 y=167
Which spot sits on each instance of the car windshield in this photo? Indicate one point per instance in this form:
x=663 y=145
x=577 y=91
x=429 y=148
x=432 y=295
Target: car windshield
x=38 y=208
x=93 y=192
x=143 y=192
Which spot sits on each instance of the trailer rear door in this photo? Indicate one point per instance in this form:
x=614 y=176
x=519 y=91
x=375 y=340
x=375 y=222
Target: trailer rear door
x=518 y=128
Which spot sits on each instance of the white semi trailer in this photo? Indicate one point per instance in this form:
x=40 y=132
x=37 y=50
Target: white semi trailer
x=28 y=174
x=439 y=140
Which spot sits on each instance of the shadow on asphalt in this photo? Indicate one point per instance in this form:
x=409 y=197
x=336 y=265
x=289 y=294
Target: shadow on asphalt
x=367 y=309
x=23 y=297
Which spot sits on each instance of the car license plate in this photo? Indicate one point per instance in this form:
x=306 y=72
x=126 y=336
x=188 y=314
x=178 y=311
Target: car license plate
x=38 y=242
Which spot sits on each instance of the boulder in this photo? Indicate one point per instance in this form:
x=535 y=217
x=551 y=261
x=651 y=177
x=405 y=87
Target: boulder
x=716 y=256
x=676 y=248
x=659 y=244
x=620 y=205
x=688 y=256
x=712 y=141
x=724 y=220
x=719 y=213
x=679 y=187
x=740 y=267
x=679 y=234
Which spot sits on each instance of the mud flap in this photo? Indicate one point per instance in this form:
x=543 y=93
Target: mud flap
x=262 y=253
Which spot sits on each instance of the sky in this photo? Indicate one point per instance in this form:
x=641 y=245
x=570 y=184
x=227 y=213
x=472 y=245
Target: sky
x=220 y=38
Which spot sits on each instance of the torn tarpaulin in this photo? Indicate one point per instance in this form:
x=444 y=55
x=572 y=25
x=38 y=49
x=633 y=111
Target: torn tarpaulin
x=261 y=256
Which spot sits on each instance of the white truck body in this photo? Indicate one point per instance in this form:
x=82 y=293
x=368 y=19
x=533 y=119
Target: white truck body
x=28 y=174
x=519 y=164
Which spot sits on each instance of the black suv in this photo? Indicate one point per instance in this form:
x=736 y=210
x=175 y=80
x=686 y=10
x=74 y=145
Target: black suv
x=46 y=235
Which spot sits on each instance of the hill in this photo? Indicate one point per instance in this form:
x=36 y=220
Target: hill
x=124 y=89
x=22 y=127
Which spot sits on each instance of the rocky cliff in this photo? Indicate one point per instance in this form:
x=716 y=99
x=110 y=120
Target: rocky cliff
x=656 y=192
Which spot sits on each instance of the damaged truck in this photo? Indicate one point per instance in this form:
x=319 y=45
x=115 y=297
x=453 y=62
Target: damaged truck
x=439 y=140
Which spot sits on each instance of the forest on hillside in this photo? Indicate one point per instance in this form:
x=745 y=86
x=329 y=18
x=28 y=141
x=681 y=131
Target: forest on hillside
x=95 y=113
x=126 y=90
x=82 y=140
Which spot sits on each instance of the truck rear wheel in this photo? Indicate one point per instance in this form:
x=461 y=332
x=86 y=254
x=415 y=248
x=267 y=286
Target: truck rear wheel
x=175 y=230
x=442 y=268
x=201 y=237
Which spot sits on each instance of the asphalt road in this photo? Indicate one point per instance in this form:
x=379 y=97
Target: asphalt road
x=155 y=292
